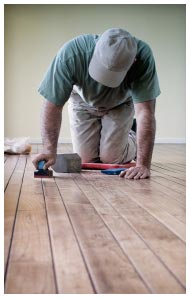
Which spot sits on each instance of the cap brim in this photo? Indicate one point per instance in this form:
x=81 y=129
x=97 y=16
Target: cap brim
x=105 y=76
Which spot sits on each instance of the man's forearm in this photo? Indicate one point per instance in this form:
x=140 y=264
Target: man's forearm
x=50 y=126
x=146 y=128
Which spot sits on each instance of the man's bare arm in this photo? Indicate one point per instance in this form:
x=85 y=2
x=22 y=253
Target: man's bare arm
x=51 y=117
x=146 y=127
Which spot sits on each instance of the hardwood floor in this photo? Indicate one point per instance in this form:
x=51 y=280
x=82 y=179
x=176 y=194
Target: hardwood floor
x=94 y=233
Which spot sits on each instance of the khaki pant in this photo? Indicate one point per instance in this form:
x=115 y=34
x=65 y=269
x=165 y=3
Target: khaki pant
x=100 y=135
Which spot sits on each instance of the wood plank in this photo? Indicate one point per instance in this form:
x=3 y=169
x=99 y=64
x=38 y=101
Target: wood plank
x=160 y=209
x=152 y=185
x=30 y=246
x=71 y=274
x=148 y=194
x=30 y=240
x=94 y=233
x=178 y=178
x=30 y=278
x=168 y=157
x=169 y=153
x=160 y=240
x=31 y=197
x=176 y=148
x=157 y=236
x=170 y=184
x=31 y=243
x=156 y=275
x=12 y=194
x=169 y=177
x=9 y=168
x=178 y=168
x=111 y=271
x=157 y=204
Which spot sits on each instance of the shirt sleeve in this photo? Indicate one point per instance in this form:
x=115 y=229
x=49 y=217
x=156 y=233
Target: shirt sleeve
x=144 y=83
x=58 y=82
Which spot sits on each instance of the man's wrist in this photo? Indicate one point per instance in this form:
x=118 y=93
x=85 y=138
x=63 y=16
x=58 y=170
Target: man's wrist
x=49 y=150
x=143 y=164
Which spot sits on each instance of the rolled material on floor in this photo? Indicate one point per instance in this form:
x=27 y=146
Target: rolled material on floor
x=104 y=166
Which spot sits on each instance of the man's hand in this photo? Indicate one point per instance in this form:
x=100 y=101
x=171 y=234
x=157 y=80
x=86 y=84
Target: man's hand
x=49 y=158
x=138 y=172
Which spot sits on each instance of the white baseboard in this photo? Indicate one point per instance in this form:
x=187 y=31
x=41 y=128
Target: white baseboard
x=157 y=140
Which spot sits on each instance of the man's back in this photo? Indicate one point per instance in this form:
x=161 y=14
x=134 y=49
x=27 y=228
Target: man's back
x=70 y=68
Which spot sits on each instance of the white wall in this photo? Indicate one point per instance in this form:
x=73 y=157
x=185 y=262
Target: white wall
x=34 y=33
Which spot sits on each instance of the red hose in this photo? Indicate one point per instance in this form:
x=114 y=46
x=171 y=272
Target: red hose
x=104 y=166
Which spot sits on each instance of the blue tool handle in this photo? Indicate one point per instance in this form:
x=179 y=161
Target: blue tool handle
x=41 y=164
x=114 y=171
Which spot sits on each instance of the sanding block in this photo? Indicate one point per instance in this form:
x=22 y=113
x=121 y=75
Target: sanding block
x=41 y=173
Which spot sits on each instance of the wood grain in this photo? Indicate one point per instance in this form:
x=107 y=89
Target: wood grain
x=135 y=248
x=92 y=233
x=10 y=165
x=71 y=273
x=155 y=234
x=12 y=194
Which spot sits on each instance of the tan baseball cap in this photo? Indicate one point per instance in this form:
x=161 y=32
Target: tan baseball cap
x=113 y=55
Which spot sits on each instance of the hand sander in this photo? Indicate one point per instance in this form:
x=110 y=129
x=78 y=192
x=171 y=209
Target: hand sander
x=41 y=173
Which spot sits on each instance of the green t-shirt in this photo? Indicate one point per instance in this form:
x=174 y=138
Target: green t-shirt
x=69 y=71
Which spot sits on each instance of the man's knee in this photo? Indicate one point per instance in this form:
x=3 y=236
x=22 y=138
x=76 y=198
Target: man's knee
x=87 y=156
x=119 y=154
x=109 y=157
